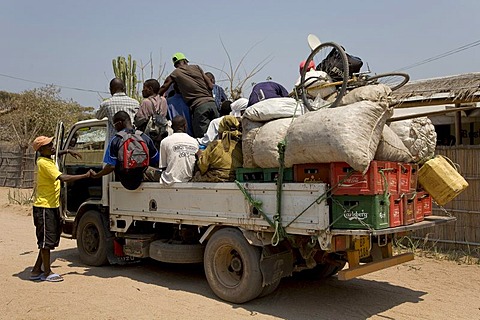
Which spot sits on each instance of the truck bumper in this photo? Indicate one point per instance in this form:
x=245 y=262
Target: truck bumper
x=360 y=270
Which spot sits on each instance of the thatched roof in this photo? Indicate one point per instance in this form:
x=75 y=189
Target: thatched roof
x=464 y=88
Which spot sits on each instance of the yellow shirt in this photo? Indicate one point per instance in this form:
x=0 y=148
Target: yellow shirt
x=48 y=185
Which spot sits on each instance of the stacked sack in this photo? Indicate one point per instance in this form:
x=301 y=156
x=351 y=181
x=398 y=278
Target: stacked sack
x=355 y=132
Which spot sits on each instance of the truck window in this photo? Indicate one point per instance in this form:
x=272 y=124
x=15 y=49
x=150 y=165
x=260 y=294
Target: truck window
x=89 y=143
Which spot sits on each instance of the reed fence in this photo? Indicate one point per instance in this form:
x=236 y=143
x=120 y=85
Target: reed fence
x=465 y=232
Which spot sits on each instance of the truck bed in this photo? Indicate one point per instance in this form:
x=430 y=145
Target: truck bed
x=204 y=204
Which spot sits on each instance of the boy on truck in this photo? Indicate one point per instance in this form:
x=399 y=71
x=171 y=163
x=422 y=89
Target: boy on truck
x=132 y=178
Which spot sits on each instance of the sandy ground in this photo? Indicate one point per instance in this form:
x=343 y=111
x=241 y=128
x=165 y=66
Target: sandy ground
x=421 y=289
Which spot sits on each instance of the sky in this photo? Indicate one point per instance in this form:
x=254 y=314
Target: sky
x=72 y=44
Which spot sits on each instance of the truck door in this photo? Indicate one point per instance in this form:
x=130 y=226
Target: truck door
x=88 y=140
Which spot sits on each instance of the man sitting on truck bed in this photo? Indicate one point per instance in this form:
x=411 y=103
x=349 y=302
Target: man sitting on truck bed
x=132 y=179
x=177 y=154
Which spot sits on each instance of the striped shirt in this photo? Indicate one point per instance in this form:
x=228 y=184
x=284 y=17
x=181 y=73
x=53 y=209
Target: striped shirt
x=118 y=102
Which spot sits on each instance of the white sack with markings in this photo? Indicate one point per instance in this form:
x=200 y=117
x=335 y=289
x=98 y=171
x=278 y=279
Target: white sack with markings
x=274 y=108
x=418 y=135
x=249 y=132
x=265 y=145
x=391 y=148
x=344 y=134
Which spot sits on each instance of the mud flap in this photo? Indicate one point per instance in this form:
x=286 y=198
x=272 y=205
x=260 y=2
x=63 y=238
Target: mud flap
x=276 y=266
x=114 y=259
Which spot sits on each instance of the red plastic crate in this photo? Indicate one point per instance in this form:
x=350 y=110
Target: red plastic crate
x=311 y=172
x=396 y=210
x=372 y=183
x=419 y=207
x=409 y=208
x=407 y=177
x=426 y=203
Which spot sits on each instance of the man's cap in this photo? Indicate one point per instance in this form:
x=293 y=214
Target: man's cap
x=238 y=106
x=178 y=57
x=40 y=142
x=311 y=65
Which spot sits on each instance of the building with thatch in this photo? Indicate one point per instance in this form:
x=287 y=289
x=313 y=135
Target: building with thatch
x=452 y=103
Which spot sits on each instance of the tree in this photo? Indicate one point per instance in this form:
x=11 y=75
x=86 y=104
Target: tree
x=237 y=76
x=36 y=112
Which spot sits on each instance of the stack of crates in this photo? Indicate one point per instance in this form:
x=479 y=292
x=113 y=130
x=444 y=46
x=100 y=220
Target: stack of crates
x=383 y=197
x=363 y=201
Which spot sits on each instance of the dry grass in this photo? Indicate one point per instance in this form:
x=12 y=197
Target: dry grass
x=431 y=249
x=23 y=197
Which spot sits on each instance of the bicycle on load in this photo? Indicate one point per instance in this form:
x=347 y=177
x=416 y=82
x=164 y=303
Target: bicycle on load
x=333 y=79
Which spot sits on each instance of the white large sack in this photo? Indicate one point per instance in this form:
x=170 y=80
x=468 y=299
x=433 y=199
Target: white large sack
x=249 y=132
x=344 y=134
x=265 y=150
x=274 y=108
x=376 y=93
x=391 y=148
x=418 y=135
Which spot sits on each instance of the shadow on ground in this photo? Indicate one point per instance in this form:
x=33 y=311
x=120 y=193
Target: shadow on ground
x=294 y=299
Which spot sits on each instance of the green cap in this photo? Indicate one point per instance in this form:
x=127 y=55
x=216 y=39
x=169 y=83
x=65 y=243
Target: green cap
x=178 y=57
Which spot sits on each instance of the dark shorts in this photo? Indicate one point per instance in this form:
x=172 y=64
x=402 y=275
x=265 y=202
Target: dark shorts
x=48 y=226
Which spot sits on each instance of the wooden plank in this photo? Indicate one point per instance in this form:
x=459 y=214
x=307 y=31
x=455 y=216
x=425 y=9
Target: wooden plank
x=351 y=273
x=353 y=257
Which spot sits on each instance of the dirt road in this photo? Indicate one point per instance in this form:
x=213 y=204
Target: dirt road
x=421 y=289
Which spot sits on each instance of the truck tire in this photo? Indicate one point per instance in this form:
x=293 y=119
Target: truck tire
x=269 y=289
x=92 y=239
x=232 y=266
x=162 y=250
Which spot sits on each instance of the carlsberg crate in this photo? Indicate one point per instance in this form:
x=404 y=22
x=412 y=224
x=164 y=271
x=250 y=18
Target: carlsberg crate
x=360 y=212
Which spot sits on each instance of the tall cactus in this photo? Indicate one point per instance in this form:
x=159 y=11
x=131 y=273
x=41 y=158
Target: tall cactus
x=126 y=70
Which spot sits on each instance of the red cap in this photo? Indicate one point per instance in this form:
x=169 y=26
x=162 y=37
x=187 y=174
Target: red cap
x=311 y=65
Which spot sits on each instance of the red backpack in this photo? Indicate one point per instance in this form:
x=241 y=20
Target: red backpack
x=133 y=152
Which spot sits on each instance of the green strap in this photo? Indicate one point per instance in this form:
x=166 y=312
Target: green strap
x=257 y=204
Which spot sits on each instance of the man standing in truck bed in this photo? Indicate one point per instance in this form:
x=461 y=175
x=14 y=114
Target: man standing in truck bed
x=196 y=89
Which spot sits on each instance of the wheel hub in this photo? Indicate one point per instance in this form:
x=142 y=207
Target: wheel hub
x=236 y=264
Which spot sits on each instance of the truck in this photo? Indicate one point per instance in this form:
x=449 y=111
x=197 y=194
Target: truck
x=248 y=235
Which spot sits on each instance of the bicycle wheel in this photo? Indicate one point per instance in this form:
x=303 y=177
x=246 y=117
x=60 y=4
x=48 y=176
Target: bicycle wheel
x=394 y=80
x=323 y=55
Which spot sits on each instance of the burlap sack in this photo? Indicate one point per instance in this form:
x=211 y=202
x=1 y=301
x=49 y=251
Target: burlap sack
x=265 y=151
x=391 y=148
x=249 y=132
x=375 y=93
x=418 y=135
x=344 y=134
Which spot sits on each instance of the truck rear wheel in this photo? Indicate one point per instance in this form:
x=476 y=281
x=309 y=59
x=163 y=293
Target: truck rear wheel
x=232 y=266
x=92 y=239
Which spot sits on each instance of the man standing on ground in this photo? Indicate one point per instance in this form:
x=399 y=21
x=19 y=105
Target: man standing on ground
x=196 y=89
x=118 y=102
x=152 y=104
x=217 y=91
x=177 y=154
x=46 y=212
